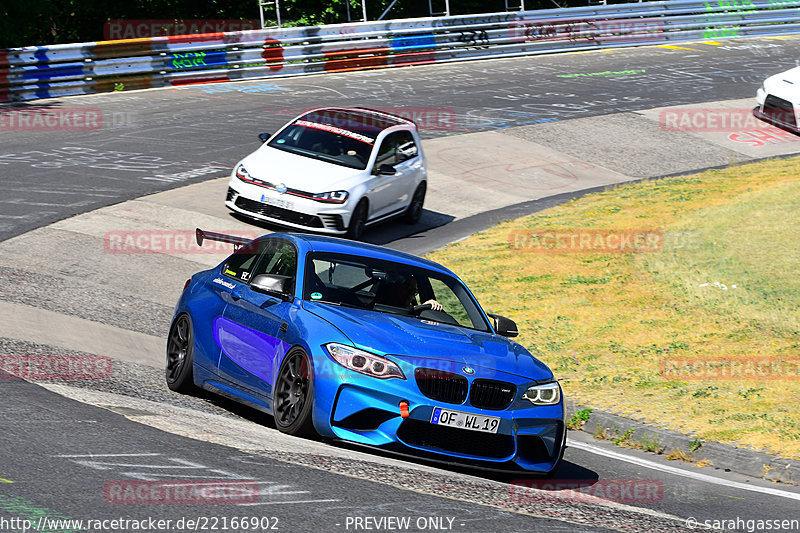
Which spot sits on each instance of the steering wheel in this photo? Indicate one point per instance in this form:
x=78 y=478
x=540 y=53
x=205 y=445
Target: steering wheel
x=417 y=309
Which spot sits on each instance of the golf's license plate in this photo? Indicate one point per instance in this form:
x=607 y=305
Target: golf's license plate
x=277 y=202
x=457 y=419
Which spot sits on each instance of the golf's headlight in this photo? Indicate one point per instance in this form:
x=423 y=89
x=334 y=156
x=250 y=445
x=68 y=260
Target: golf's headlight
x=364 y=362
x=547 y=394
x=333 y=197
x=242 y=173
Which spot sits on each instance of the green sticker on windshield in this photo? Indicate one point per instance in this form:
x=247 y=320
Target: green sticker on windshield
x=316 y=295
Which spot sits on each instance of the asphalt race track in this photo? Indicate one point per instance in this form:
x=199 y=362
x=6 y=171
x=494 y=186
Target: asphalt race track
x=66 y=444
x=157 y=139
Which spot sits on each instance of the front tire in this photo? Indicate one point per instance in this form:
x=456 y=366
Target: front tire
x=180 y=355
x=414 y=211
x=294 y=395
x=358 y=221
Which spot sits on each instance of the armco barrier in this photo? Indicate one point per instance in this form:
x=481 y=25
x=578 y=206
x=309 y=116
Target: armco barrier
x=36 y=72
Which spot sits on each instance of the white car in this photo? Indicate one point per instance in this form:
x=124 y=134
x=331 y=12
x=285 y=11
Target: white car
x=779 y=100
x=334 y=171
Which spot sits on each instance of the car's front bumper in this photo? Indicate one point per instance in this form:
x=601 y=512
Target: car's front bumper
x=366 y=410
x=777 y=111
x=286 y=210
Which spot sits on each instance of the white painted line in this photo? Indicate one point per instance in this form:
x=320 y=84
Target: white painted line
x=30 y=215
x=61 y=192
x=152 y=476
x=297 y=501
x=680 y=472
x=112 y=455
x=325 y=88
x=241 y=481
x=26 y=203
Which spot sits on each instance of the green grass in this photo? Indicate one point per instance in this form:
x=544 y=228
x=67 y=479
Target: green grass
x=607 y=323
x=579 y=419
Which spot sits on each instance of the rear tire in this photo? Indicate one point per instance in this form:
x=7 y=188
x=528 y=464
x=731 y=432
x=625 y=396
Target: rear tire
x=358 y=221
x=180 y=355
x=414 y=211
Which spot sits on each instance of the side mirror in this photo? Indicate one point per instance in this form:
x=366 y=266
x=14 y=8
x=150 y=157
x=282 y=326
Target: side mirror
x=503 y=326
x=385 y=170
x=273 y=285
x=264 y=136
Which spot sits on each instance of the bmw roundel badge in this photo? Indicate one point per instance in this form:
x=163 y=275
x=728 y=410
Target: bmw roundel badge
x=468 y=370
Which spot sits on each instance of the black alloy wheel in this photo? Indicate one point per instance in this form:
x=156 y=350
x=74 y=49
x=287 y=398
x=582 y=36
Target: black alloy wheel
x=294 y=395
x=180 y=346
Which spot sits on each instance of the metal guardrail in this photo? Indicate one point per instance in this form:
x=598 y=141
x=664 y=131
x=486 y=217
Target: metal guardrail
x=35 y=72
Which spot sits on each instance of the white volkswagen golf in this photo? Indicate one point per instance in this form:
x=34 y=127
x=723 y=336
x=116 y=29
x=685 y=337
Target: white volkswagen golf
x=335 y=171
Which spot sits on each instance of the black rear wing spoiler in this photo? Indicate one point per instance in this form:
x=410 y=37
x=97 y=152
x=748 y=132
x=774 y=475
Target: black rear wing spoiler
x=237 y=242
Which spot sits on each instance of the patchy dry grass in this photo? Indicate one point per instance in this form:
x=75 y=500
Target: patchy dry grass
x=724 y=286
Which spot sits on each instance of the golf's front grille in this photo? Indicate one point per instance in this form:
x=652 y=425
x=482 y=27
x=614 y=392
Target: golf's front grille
x=435 y=437
x=442 y=386
x=278 y=213
x=490 y=394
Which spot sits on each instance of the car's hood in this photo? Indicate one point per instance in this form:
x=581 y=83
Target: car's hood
x=416 y=340
x=298 y=172
x=786 y=84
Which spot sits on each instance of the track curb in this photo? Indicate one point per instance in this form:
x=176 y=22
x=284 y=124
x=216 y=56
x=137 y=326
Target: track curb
x=726 y=457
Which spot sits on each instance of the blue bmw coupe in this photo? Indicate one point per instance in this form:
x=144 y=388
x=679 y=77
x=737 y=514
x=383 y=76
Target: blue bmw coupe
x=362 y=343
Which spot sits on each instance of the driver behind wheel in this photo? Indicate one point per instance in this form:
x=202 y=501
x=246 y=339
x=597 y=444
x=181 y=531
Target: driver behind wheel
x=400 y=290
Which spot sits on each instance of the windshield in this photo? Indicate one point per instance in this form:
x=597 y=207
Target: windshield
x=389 y=287
x=336 y=137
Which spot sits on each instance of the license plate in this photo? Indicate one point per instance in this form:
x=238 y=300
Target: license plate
x=457 y=419
x=277 y=202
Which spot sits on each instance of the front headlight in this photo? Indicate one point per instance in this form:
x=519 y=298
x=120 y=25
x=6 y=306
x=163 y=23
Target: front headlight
x=333 y=197
x=242 y=173
x=547 y=394
x=364 y=362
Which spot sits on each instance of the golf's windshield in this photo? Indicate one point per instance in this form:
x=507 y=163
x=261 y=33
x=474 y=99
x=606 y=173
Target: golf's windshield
x=337 y=136
x=389 y=287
